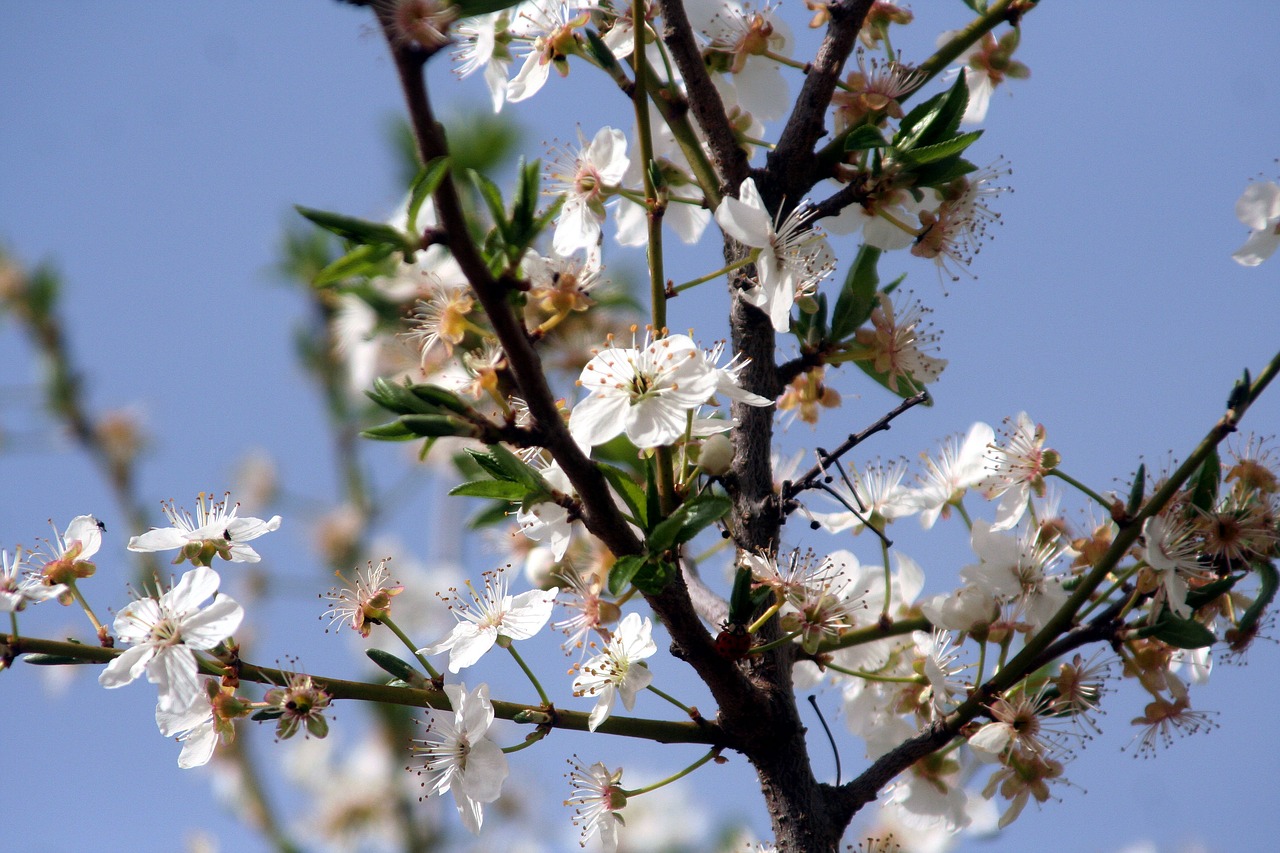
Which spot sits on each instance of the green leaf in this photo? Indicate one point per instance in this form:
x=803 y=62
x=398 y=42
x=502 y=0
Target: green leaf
x=864 y=137
x=1268 y=583
x=631 y=492
x=358 y=230
x=1202 y=595
x=399 y=399
x=488 y=463
x=395 y=666
x=942 y=173
x=654 y=576
x=424 y=185
x=1179 y=633
x=858 y=295
x=517 y=470
x=1138 y=490
x=497 y=513
x=688 y=520
x=926 y=154
x=492 y=196
x=933 y=121
x=1204 y=485
x=471 y=8
x=500 y=489
x=365 y=261
x=431 y=426
x=436 y=396
x=394 y=431
x=622 y=571
x=42 y=659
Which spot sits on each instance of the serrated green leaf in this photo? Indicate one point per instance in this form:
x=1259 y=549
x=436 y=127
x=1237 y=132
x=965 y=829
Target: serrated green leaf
x=1204 y=486
x=471 y=8
x=653 y=576
x=394 y=431
x=933 y=121
x=499 y=489
x=357 y=230
x=424 y=185
x=1202 y=595
x=688 y=520
x=497 y=513
x=399 y=399
x=488 y=463
x=943 y=173
x=858 y=295
x=437 y=396
x=434 y=426
x=367 y=261
x=1179 y=633
x=864 y=137
x=492 y=196
x=518 y=470
x=1138 y=490
x=622 y=571
x=629 y=490
x=925 y=154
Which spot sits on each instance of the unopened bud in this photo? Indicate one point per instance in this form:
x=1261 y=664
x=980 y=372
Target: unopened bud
x=716 y=455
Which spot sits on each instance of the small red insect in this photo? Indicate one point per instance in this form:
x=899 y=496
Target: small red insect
x=733 y=642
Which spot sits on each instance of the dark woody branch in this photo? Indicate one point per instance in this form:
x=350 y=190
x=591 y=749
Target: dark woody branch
x=790 y=169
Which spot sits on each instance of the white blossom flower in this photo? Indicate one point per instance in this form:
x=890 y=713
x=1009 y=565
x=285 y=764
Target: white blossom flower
x=479 y=45
x=548 y=521
x=1259 y=209
x=586 y=177
x=877 y=494
x=459 y=757
x=644 y=392
x=597 y=799
x=195 y=728
x=1016 y=470
x=958 y=468
x=793 y=257
x=899 y=343
x=163 y=633
x=1171 y=551
x=491 y=614
x=215 y=530
x=66 y=556
x=549 y=27
x=17 y=592
x=618 y=671
x=1016 y=569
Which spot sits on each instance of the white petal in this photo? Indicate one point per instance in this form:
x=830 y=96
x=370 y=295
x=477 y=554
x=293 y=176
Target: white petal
x=126 y=667
x=213 y=624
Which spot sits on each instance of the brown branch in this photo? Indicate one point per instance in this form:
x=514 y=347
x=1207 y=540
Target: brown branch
x=662 y=731
x=791 y=165
x=704 y=99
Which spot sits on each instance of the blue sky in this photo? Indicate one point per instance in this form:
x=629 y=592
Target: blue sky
x=153 y=153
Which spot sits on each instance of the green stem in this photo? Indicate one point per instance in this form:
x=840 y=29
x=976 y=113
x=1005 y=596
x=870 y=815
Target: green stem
x=778 y=643
x=888 y=577
x=964 y=513
x=98 y=627
x=803 y=66
x=529 y=741
x=764 y=617
x=664 y=731
x=871 y=676
x=672 y=700
x=404 y=638
x=685 y=772
x=1066 y=478
x=542 y=694
x=725 y=270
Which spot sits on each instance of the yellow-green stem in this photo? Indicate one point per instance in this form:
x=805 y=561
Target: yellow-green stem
x=685 y=772
x=1066 y=478
x=404 y=638
x=542 y=694
x=712 y=276
x=671 y=699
